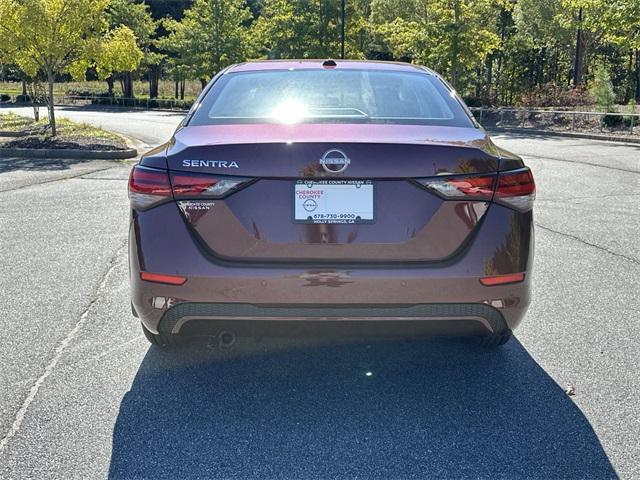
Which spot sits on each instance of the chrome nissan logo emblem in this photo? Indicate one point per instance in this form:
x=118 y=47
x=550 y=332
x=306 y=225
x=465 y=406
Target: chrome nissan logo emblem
x=334 y=161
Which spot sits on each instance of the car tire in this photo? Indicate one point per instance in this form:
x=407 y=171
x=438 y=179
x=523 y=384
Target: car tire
x=159 y=340
x=495 y=341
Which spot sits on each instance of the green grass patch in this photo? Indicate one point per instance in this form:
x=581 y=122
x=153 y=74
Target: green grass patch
x=10 y=122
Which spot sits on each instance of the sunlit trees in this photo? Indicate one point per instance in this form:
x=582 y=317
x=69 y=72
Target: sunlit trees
x=453 y=36
x=51 y=37
x=212 y=35
x=117 y=53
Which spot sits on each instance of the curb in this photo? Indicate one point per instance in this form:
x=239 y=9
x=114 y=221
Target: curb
x=12 y=134
x=589 y=136
x=70 y=153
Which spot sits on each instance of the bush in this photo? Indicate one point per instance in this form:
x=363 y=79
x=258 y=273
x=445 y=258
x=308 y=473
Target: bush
x=601 y=89
x=86 y=93
x=619 y=120
x=551 y=95
x=23 y=99
x=5 y=98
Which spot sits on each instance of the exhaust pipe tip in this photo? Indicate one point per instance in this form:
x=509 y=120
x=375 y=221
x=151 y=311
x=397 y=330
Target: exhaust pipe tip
x=227 y=339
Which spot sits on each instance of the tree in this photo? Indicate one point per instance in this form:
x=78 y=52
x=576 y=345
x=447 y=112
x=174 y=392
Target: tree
x=601 y=89
x=453 y=36
x=137 y=17
x=118 y=53
x=211 y=35
x=52 y=36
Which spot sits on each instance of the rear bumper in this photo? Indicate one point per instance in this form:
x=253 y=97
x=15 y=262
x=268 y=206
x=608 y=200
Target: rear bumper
x=434 y=318
x=440 y=295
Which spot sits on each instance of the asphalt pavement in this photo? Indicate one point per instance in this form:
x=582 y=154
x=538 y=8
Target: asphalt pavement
x=83 y=395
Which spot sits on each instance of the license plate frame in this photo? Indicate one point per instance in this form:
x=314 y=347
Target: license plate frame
x=329 y=187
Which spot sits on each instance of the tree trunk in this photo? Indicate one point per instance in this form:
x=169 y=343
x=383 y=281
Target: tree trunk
x=52 y=113
x=182 y=84
x=576 y=63
x=127 y=85
x=177 y=87
x=203 y=83
x=638 y=75
x=154 y=80
x=454 y=45
x=110 y=85
x=24 y=88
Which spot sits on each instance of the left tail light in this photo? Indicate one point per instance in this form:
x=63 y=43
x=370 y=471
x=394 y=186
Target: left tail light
x=150 y=186
x=187 y=185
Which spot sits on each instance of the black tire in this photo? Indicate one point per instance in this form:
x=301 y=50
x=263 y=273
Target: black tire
x=495 y=341
x=159 y=340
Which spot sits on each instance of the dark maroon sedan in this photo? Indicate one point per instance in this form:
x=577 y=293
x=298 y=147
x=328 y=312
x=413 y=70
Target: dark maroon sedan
x=347 y=194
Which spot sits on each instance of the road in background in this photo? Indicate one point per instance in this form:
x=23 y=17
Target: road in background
x=83 y=395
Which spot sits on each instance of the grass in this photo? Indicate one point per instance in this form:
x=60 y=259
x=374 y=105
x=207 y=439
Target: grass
x=10 y=122
x=166 y=88
x=69 y=134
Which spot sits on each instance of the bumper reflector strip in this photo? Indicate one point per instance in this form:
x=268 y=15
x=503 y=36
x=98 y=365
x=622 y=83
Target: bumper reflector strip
x=502 y=279
x=163 y=278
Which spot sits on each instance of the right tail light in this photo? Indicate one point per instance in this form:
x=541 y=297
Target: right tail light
x=513 y=188
x=516 y=189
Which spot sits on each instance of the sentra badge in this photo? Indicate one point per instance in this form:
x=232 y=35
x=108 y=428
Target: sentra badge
x=210 y=163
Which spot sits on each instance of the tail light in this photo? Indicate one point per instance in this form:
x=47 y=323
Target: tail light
x=479 y=187
x=148 y=186
x=151 y=186
x=514 y=188
x=209 y=186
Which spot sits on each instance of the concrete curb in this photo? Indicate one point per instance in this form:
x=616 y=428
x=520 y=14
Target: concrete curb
x=551 y=133
x=68 y=153
x=12 y=134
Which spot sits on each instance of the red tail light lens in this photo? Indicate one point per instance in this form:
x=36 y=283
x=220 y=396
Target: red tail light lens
x=151 y=186
x=148 y=186
x=516 y=189
x=462 y=187
x=190 y=185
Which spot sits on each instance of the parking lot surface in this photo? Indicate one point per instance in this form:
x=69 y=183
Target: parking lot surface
x=83 y=395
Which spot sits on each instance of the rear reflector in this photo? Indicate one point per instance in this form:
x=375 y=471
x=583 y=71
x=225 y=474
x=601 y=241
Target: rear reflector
x=516 y=189
x=162 y=278
x=502 y=279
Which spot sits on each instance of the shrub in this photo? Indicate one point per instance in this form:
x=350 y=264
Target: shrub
x=601 y=89
x=551 y=95
x=5 y=98
x=23 y=99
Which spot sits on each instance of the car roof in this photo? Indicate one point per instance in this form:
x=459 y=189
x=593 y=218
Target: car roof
x=260 y=65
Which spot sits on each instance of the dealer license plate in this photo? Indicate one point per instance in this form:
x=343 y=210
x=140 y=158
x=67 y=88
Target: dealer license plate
x=333 y=201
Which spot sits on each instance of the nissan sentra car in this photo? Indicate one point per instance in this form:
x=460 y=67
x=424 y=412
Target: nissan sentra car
x=329 y=193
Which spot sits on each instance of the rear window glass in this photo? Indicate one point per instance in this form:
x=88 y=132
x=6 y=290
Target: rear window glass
x=330 y=96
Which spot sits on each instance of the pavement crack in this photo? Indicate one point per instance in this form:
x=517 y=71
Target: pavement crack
x=43 y=182
x=597 y=165
x=59 y=352
x=599 y=247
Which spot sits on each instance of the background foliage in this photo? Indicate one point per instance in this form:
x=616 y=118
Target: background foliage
x=495 y=52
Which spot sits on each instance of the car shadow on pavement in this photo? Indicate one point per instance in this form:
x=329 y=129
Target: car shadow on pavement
x=423 y=409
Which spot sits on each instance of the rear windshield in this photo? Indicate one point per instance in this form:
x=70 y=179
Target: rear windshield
x=330 y=96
